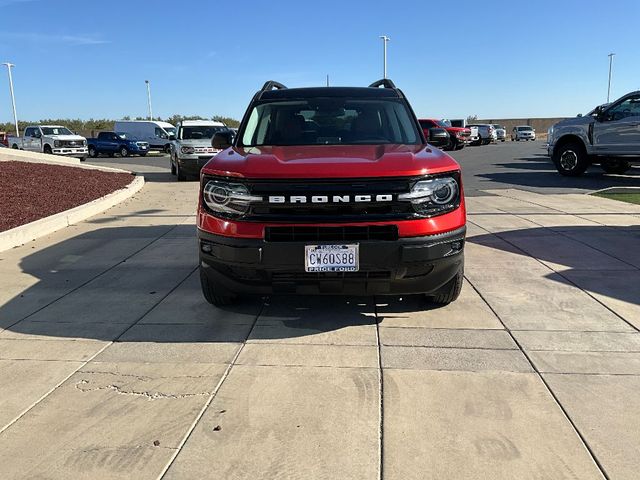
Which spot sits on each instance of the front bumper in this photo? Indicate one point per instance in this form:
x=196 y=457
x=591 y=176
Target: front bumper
x=192 y=164
x=71 y=152
x=404 y=266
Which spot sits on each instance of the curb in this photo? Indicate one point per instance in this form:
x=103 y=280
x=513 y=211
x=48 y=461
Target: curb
x=25 y=233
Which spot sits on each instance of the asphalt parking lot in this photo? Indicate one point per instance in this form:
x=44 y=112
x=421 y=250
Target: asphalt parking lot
x=113 y=366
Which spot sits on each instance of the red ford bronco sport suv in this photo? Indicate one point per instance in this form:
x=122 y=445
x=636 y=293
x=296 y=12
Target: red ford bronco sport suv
x=330 y=190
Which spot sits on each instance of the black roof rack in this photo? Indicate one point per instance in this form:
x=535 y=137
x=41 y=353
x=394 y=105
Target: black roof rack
x=270 y=85
x=385 y=82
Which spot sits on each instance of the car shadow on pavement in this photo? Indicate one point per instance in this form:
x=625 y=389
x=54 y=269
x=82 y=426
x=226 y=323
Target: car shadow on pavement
x=539 y=172
x=141 y=284
x=602 y=260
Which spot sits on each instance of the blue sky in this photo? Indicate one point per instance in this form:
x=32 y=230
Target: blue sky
x=86 y=59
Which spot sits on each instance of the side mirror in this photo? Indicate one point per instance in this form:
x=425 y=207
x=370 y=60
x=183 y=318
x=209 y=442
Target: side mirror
x=223 y=140
x=172 y=137
x=579 y=115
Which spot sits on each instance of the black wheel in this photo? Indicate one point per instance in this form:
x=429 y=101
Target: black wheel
x=15 y=146
x=124 y=152
x=93 y=153
x=450 y=292
x=167 y=148
x=211 y=294
x=453 y=145
x=571 y=159
x=615 y=165
x=142 y=154
x=173 y=166
x=47 y=149
x=479 y=141
x=181 y=176
x=82 y=159
x=111 y=154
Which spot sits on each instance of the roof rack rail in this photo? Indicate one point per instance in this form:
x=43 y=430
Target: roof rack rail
x=270 y=85
x=385 y=82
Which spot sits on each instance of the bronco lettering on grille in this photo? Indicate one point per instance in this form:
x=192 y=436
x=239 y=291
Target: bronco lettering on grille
x=330 y=199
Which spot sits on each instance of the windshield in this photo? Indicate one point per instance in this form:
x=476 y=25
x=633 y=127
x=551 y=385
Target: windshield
x=444 y=123
x=524 y=129
x=170 y=130
x=56 y=131
x=498 y=127
x=330 y=121
x=200 y=131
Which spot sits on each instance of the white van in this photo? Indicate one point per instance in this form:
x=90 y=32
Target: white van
x=158 y=134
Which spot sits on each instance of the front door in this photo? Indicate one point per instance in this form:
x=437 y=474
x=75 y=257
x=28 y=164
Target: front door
x=617 y=132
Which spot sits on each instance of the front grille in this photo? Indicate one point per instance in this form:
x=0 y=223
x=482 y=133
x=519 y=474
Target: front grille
x=330 y=234
x=338 y=212
x=71 y=143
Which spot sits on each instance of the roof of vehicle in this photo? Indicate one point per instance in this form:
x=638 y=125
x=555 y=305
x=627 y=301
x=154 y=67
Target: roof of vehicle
x=330 y=92
x=48 y=126
x=155 y=122
x=205 y=123
x=521 y=126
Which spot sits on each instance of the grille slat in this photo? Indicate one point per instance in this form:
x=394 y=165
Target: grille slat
x=331 y=234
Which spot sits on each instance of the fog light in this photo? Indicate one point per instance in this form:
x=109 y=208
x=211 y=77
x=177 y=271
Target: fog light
x=456 y=246
x=205 y=247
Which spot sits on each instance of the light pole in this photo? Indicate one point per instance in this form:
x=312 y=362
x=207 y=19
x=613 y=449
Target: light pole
x=611 y=55
x=385 y=39
x=13 y=98
x=149 y=99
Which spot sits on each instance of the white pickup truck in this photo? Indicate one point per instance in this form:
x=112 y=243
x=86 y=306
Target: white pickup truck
x=51 y=139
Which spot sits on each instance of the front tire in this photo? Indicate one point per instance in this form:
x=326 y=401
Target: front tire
x=82 y=159
x=212 y=294
x=181 y=176
x=173 y=166
x=124 y=152
x=571 y=159
x=47 y=150
x=615 y=166
x=450 y=292
x=167 y=148
x=93 y=153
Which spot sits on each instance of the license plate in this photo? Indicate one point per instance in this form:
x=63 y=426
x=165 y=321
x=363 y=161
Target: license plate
x=331 y=258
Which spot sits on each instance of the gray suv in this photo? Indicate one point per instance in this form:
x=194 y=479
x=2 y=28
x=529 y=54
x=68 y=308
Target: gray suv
x=608 y=135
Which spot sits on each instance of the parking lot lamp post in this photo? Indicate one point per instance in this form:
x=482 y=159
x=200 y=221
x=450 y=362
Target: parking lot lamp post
x=149 y=99
x=385 y=39
x=13 y=98
x=611 y=55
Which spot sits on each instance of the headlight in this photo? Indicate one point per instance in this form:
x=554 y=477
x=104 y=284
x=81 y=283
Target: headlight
x=434 y=196
x=187 y=150
x=56 y=143
x=228 y=200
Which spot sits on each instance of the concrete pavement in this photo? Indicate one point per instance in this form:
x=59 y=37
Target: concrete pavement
x=113 y=366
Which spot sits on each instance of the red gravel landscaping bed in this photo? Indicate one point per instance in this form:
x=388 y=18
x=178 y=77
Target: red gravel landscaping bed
x=30 y=191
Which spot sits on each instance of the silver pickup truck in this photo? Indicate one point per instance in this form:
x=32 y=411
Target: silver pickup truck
x=608 y=135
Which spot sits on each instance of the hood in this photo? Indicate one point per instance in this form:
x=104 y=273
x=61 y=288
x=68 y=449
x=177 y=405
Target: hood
x=456 y=129
x=574 y=121
x=65 y=137
x=330 y=161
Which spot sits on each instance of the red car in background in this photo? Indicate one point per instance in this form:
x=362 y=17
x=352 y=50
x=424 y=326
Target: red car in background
x=4 y=139
x=458 y=136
